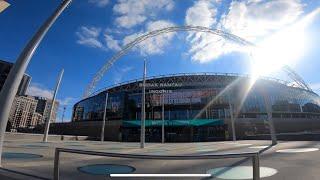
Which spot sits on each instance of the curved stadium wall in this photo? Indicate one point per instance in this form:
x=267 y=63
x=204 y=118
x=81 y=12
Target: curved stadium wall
x=197 y=108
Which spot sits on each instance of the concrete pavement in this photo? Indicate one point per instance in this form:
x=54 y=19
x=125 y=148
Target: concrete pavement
x=302 y=165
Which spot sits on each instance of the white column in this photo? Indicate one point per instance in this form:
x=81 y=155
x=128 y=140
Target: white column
x=11 y=85
x=47 y=127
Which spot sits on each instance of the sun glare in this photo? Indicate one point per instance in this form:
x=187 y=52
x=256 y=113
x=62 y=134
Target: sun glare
x=285 y=47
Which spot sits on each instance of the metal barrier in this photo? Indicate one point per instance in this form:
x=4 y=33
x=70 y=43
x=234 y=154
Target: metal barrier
x=253 y=155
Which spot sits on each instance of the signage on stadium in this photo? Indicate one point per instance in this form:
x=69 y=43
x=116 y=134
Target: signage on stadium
x=159 y=85
x=162 y=91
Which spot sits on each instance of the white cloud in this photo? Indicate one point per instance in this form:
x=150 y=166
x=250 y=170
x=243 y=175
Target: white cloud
x=36 y=89
x=249 y=19
x=202 y=13
x=120 y=73
x=66 y=101
x=132 y=12
x=89 y=36
x=127 y=69
x=252 y=19
x=130 y=21
x=93 y=37
x=209 y=47
x=131 y=37
x=99 y=3
x=203 y=46
x=112 y=43
x=154 y=45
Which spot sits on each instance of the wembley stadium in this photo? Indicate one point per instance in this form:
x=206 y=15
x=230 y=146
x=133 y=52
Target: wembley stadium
x=197 y=107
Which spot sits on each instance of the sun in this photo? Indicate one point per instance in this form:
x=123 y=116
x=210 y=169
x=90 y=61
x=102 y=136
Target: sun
x=285 y=47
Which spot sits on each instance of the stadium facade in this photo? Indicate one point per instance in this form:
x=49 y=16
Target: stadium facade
x=197 y=107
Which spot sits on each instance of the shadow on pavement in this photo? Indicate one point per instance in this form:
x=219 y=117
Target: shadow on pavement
x=24 y=174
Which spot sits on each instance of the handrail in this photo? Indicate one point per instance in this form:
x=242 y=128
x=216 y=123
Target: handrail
x=253 y=155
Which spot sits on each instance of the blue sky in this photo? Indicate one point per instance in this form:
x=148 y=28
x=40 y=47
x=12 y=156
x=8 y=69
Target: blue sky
x=91 y=31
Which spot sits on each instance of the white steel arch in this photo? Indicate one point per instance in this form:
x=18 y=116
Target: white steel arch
x=89 y=89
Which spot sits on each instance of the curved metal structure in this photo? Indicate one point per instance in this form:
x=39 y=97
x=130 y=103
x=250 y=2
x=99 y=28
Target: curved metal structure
x=148 y=35
x=89 y=89
x=296 y=78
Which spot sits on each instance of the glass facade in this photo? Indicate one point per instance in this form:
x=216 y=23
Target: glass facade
x=92 y=109
x=208 y=97
x=198 y=108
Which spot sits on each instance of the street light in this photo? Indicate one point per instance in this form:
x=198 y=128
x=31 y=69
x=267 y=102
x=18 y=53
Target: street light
x=47 y=127
x=13 y=80
x=104 y=117
x=232 y=119
x=162 y=137
x=268 y=107
x=64 y=110
x=143 y=107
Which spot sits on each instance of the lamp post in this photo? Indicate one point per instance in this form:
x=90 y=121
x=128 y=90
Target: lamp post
x=11 y=85
x=162 y=137
x=104 y=117
x=232 y=119
x=47 y=127
x=269 y=114
x=64 y=110
x=143 y=107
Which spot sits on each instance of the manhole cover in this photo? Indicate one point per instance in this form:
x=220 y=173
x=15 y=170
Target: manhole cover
x=297 y=150
x=240 y=172
x=9 y=155
x=106 y=169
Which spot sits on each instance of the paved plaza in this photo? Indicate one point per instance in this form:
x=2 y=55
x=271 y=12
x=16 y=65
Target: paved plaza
x=287 y=160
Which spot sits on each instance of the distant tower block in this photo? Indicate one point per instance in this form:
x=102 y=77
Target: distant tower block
x=3 y=5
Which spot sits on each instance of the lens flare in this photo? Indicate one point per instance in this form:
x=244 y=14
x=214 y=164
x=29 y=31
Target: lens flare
x=284 y=47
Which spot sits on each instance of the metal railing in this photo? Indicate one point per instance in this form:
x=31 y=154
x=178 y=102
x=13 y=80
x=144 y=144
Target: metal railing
x=253 y=155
